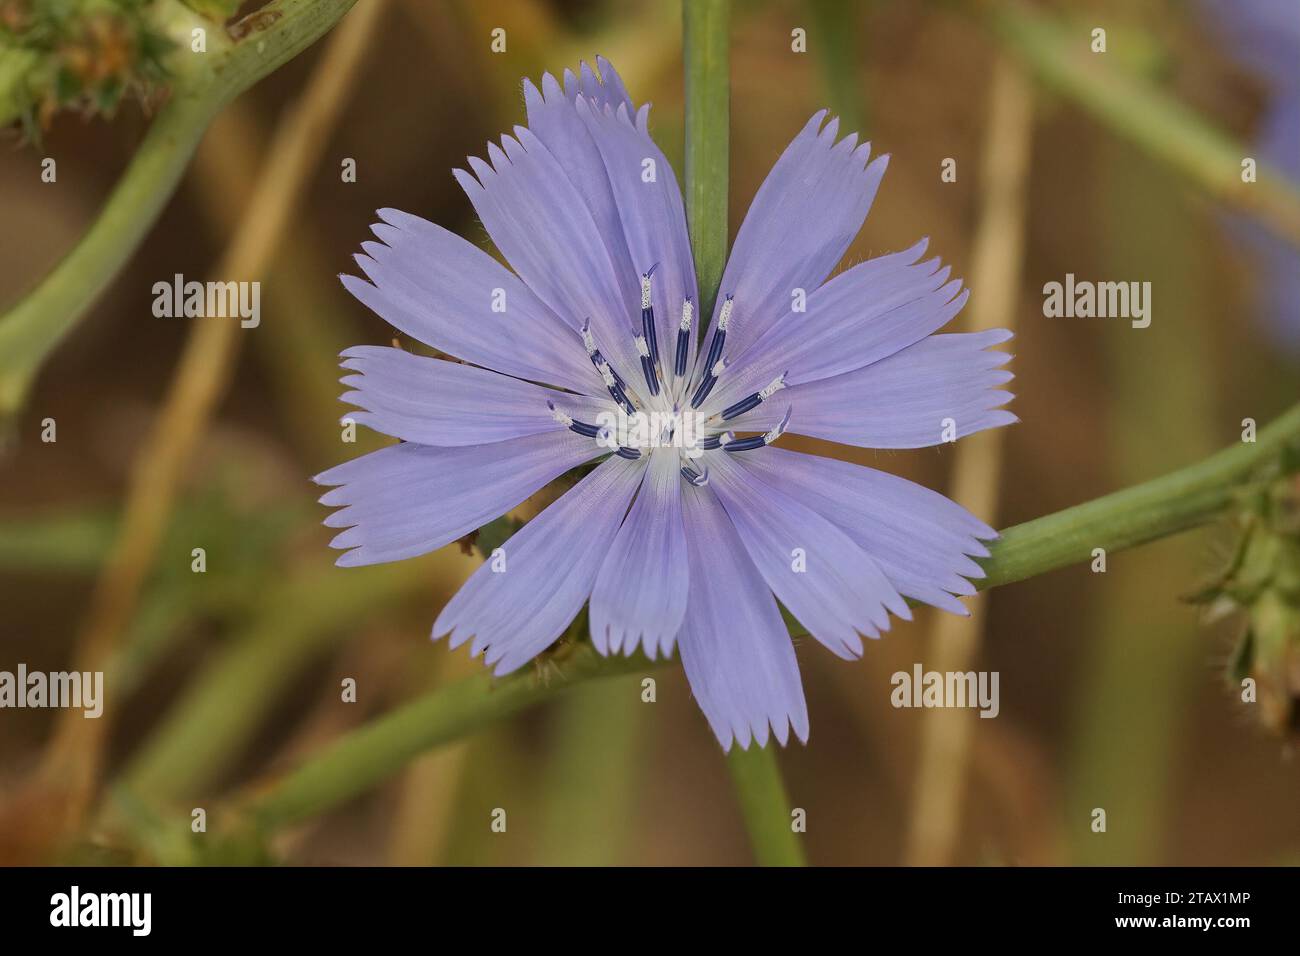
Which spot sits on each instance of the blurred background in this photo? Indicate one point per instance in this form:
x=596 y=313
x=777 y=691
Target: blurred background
x=1113 y=691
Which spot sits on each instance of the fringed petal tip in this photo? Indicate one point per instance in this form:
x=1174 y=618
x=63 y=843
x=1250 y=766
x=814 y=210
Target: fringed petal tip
x=602 y=85
x=744 y=736
x=825 y=128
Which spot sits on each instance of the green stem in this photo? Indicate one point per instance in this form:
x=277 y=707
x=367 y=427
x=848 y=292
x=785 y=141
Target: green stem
x=268 y=38
x=594 y=774
x=371 y=753
x=67 y=542
x=301 y=618
x=1154 y=509
x=764 y=806
x=705 y=27
x=32 y=328
x=836 y=25
x=1164 y=506
x=1158 y=124
x=708 y=109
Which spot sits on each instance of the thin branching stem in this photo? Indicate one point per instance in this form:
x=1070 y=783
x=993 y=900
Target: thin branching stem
x=69 y=772
x=203 y=84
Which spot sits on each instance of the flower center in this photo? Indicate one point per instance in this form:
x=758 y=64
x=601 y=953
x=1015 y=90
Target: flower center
x=658 y=420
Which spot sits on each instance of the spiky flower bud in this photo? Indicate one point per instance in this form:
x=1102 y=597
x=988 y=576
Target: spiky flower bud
x=1262 y=587
x=83 y=55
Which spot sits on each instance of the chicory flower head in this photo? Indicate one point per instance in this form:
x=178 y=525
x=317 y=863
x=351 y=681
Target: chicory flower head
x=693 y=525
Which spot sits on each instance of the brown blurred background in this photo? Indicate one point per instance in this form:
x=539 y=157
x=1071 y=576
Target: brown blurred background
x=1113 y=693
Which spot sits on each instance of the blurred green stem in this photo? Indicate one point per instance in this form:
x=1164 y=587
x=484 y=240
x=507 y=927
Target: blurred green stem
x=1157 y=124
x=72 y=542
x=203 y=84
x=1154 y=509
x=301 y=618
x=764 y=805
x=34 y=326
x=371 y=753
x=593 y=775
x=705 y=28
x=836 y=48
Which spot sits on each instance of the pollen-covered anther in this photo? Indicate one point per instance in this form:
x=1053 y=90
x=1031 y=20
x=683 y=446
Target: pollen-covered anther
x=720 y=332
x=645 y=287
x=683 y=337
x=607 y=374
x=647 y=364
x=758 y=398
x=558 y=415
x=758 y=441
x=648 y=315
x=612 y=382
x=584 y=429
x=773 y=387
x=588 y=340
x=724 y=317
x=710 y=379
x=696 y=478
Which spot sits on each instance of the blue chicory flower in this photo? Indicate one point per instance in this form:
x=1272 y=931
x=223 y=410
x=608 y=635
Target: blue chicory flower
x=671 y=543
